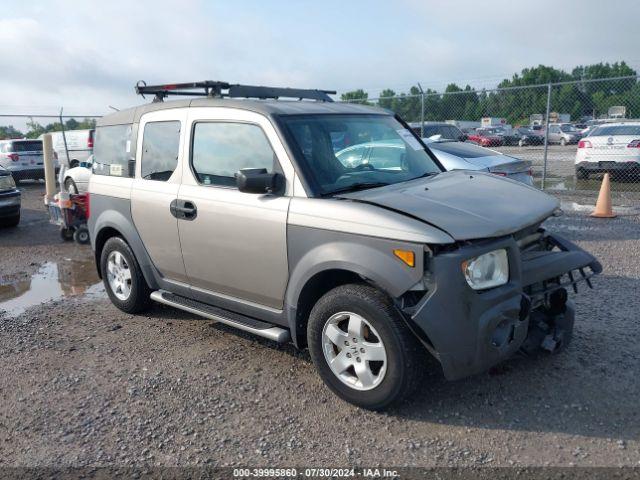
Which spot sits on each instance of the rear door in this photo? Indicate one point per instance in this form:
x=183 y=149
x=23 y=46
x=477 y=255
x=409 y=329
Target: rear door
x=155 y=187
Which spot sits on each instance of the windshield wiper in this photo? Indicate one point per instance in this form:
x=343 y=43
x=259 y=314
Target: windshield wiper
x=355 y=187
x=426 y=174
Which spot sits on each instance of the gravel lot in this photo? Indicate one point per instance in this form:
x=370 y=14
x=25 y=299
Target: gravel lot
x=83 y=384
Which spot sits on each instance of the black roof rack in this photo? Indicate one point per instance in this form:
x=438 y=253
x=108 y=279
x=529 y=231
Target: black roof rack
x=215 y=89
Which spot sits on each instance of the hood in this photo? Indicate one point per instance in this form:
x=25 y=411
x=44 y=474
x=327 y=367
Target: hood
x=465 y=205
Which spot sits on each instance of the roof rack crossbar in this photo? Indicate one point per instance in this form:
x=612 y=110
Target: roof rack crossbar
x=209 y=88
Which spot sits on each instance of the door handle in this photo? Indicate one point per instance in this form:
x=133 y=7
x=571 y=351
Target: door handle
x=183 y=209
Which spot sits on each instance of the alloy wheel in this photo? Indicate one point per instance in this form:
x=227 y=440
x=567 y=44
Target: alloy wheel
x=354 y=351
x=119 y=275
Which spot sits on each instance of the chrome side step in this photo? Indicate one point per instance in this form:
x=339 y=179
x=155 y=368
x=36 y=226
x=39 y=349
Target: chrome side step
x=232 y=319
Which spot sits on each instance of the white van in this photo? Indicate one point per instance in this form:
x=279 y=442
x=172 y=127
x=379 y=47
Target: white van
x=79 y=145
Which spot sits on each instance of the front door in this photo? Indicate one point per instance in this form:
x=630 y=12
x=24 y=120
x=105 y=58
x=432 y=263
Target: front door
x=234 y=243
x=155 y=188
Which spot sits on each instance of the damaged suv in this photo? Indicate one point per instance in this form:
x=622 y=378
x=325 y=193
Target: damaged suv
x=236 y=208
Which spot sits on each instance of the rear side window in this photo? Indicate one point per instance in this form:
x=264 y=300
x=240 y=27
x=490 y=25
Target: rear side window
x=34 y=146
x=446 y=131
x=220 y=150
x=112 y=151
x=160 y=146
x=616 y=130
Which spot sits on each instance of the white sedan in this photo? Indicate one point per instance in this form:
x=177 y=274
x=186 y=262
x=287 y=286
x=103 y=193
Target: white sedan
x=610 y=148
x=76 y=179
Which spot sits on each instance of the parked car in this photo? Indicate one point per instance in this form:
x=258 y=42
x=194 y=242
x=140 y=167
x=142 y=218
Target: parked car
x=563 y=134
x=585 y=132
x=238 y=210
x=486 y=138
x=23 y=158
x=79 y=145
x=529 y=137
x=76 y=179
x=612 y=148
x=468 y=156
x=509 y=136
x=453 y=155
x=442 y=130
x=9 y=200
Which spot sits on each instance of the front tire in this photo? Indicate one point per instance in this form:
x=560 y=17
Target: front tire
x=11 y=221
x=563 y=142
x=361 y=347
x=70 y=186
x=122 y=277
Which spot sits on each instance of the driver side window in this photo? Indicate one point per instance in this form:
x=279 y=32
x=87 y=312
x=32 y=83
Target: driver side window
x=219 y=150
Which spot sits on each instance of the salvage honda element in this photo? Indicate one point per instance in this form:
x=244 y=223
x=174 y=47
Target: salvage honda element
x=236 y=208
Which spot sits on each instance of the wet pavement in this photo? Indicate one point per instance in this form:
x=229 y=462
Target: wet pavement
x=84 y=384
x=52 y=281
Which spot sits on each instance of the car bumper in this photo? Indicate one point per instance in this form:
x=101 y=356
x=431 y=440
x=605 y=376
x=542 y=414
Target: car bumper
x=470 y=331
x=609 y=166
x=9 y=203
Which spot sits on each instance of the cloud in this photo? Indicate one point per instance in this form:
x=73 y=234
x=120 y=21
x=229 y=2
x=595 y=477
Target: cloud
x=87 y=55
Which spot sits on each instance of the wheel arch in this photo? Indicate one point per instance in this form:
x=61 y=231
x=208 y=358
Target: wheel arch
x=112 y=223
x=343 y=259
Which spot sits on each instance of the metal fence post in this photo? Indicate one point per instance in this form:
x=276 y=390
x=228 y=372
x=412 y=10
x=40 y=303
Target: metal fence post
x=546 y=136
x=421 y=111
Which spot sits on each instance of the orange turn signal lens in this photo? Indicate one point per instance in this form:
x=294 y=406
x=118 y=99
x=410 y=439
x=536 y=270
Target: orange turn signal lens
x=407 y=256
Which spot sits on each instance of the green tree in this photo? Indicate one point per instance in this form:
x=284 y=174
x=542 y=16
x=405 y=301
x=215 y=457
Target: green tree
x=8 y=132
x=356 y=96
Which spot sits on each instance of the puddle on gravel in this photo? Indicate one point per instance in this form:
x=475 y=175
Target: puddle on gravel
x=52 y=281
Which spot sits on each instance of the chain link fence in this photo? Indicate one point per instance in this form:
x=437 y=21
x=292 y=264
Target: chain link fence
x=572 y=132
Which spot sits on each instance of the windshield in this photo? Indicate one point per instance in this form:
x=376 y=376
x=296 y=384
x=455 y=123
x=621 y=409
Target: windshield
x=339 y=153
x=568 y=128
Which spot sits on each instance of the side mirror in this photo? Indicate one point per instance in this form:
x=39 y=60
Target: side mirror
x=257 y=180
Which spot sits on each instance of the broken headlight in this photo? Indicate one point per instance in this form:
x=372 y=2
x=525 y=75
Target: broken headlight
x=487 y=270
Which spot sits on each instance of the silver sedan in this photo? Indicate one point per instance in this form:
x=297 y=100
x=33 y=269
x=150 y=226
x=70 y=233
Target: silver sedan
x=455 y=155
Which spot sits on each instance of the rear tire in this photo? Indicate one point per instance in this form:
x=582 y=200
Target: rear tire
x=364 y=381
x=582 y=174
x=126 y=286
x=66 y=234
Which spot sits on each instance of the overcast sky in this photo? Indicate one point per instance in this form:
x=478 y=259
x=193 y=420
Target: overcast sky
x=86 y=55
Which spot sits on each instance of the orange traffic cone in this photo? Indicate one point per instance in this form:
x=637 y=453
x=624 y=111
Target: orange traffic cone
x=603 y=205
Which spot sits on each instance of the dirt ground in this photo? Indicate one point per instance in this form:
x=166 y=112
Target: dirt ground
x=83 y=384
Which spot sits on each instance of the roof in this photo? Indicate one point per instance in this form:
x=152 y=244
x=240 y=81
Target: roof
x=264 y=107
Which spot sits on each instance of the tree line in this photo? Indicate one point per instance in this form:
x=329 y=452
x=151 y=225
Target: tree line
x=581 y=99
x=35 y=129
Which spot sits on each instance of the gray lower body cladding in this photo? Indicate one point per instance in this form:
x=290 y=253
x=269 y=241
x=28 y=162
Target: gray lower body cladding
x=470 y=331
x=115 y=213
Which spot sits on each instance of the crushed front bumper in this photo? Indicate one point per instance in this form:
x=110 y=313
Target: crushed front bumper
x=470 y=331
